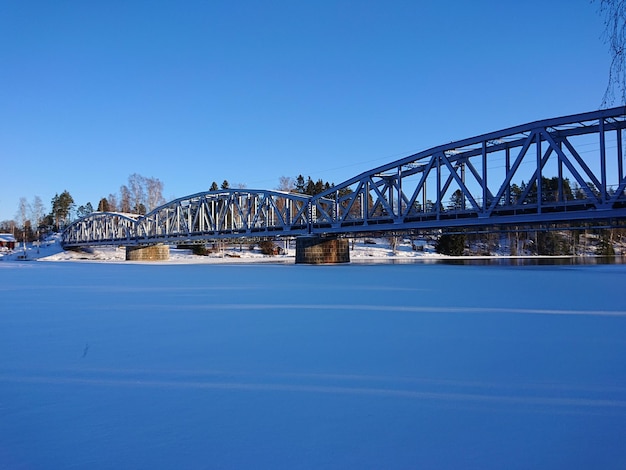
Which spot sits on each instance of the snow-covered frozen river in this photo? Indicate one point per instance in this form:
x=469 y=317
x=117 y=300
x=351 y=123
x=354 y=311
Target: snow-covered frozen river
x=315 y=367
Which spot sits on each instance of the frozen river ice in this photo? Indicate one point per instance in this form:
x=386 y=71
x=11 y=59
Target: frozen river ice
x=127 y=365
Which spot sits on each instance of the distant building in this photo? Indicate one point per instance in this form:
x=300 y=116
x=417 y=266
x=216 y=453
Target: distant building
x=7 y=241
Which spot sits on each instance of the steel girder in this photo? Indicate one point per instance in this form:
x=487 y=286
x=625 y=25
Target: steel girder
x=208 y=215
x=491 y=179
x=101 y=228
x=225 y=214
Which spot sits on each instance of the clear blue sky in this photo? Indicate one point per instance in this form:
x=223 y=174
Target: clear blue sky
x=192 y=92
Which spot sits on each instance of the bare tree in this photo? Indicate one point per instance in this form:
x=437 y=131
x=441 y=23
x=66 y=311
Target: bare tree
x=136 y=187
x=22 y=219
x=154 y=193
x=23 y=212
x=37 y=213
x=140 y=195
x=124 y=199
x=112 y=200
x=614 y=12
x=286 y=183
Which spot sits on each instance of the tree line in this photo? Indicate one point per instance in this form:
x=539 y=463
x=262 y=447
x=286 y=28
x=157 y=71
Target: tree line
x=139 y=195
x=301 y=185
x=577 y=239
x=33 y=220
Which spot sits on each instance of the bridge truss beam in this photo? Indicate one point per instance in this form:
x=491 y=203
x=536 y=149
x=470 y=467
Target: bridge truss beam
x=225 y=214
x=101 y=228
x=568 y=168
x=228 y=213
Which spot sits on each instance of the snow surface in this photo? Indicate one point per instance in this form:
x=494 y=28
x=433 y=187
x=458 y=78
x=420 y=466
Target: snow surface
x=364 y=249
x=232 y=366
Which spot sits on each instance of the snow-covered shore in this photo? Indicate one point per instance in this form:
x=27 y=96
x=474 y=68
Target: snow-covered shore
x=371 y=249
x=361 y=250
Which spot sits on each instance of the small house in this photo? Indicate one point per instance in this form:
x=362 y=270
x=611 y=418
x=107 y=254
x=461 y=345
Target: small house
x=7 y=241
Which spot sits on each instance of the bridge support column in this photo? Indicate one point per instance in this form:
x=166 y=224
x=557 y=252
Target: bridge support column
x=148 y=253
x=317 y=250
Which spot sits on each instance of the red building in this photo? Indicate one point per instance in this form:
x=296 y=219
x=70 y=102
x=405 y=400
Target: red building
x=7 y=241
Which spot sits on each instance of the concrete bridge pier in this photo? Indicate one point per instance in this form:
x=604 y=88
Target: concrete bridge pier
x=312 y=249
x=157 y=252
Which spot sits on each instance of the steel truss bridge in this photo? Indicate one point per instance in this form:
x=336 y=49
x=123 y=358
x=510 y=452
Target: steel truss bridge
x=559 y=170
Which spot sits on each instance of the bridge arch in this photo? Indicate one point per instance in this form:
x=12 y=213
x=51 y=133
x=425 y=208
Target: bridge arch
x=491 y=179
x=101 y=228
x=225 y=213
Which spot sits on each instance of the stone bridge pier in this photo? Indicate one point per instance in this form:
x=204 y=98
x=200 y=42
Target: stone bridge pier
x=312 y=249
x=157 y=252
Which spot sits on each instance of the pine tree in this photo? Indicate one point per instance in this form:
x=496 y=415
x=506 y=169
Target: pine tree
x=84 y=211
x=103 y=205
x=61 y=207
x=605 y=248
x=310 y=187
x=451 y=244
x=300 y=186
x=318 y=187
x=457 y=200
